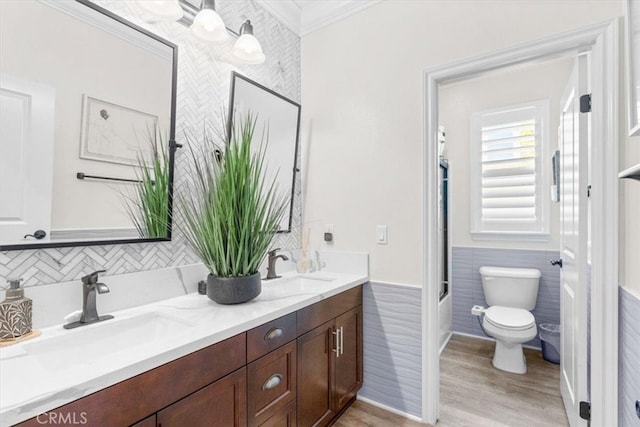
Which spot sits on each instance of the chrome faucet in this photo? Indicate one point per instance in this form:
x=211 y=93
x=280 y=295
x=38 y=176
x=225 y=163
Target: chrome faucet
x=89 y=315
x=271 y=267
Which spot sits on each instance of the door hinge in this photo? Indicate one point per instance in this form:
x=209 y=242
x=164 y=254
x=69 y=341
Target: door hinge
x=589 y=191
x=585 y=410
x=585 y=103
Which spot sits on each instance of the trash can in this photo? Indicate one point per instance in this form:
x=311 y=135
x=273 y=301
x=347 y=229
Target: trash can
x=550 y=340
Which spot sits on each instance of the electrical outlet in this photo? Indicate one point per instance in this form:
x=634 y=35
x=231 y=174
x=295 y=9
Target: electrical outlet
x=328 y=233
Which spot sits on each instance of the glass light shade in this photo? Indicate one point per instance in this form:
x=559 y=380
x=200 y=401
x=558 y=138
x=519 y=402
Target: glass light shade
x=169 y=10
x=247 y=49
x=208 y=26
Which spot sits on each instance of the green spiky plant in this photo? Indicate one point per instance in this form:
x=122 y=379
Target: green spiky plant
x=148 y=208
x=231 y=212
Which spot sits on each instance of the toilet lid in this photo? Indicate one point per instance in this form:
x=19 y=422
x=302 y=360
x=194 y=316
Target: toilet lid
x=509 y=318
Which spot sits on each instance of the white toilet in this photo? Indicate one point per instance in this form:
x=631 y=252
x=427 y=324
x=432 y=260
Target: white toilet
x=511 y=293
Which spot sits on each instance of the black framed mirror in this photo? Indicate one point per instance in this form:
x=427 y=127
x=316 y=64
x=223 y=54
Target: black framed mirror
x=86 y=98
x=281 y=117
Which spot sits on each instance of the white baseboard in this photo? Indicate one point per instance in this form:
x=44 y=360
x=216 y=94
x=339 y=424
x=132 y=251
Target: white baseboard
x=444 y=344
x=390 y=409
x=462 y=334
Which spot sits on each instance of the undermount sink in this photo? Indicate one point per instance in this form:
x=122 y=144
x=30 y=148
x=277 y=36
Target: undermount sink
x=102 y=340
x=302 y=283
x=317 y=276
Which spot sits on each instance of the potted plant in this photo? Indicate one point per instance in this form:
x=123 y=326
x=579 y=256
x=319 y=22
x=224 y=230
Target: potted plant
x=148 y=208
x=231 y=212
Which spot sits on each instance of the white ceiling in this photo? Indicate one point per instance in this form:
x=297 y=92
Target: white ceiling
x=306 y=16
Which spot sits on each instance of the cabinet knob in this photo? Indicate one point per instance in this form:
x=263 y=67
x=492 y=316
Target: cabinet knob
x=273 y=382
x=273 y=333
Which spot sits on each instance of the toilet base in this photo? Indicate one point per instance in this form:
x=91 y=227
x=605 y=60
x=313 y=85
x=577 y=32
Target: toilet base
x=510 y=358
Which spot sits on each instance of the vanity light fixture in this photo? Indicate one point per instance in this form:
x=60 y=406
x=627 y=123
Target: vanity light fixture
x=247 y=48
x=166 y=10
x=207 y=24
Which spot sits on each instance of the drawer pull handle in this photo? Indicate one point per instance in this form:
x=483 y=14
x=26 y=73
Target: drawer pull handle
x=273 y=334
x=273 y=382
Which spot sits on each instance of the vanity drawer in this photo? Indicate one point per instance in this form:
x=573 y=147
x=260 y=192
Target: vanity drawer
x=271 y=384
x=321 y=312
x=268 y=337
x=284 y=418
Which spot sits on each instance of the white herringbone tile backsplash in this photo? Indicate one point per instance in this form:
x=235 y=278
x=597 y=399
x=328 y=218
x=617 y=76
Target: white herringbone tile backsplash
x=204 y=76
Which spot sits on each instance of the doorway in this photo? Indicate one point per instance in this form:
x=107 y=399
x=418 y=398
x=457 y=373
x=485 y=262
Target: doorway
x=501 y=130
x=602 y=41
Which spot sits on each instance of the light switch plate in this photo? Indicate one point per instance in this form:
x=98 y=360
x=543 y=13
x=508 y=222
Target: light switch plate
x=381 y=234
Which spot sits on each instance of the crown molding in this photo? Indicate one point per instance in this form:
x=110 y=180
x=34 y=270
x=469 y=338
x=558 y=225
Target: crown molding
x=286 y=11
x=319 y=14
x=305 y=16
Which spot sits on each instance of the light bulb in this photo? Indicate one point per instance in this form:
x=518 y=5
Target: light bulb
x=208 y=26
x=247 y=49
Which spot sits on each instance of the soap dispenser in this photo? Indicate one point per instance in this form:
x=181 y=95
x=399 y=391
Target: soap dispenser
x=15 y=312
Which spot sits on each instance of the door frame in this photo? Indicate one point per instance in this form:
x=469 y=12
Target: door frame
x=603 y=41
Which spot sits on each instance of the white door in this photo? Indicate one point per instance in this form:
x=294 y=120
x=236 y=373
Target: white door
x=574 y=133
x=27 y=112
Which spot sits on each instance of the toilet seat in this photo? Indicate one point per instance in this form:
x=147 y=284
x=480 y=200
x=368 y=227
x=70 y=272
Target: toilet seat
x=515 y=319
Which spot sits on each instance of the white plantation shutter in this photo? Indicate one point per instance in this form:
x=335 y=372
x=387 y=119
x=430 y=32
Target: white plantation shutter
x=506 y=175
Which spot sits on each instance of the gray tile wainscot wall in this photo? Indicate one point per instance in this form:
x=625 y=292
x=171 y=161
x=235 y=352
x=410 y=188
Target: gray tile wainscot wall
x=629 y=358
x=204 y=77
x=392 y=346
x=466 y=284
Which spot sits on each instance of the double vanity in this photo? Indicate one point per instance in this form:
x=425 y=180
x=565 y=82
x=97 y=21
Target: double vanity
x=292 y=356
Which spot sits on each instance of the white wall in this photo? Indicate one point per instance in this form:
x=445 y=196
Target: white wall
x=458 y=101
x=362 y=97
x=630 y=217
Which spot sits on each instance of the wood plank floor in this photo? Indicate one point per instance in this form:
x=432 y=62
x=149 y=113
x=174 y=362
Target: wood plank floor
x=473 y=393
x=362 y=414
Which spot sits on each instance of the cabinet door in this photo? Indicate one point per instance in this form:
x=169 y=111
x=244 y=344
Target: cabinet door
x=348 y=361
x=315 y=376
x=220 y=404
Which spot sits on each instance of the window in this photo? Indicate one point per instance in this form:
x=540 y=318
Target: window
x=507 y=178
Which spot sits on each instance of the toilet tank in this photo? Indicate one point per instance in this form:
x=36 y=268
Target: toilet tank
x=510 y=287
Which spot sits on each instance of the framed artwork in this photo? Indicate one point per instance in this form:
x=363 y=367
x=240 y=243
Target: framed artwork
x=115 y=133
x=633 y=66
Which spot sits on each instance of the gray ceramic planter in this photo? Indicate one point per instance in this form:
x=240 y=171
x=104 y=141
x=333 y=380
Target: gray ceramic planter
x=233 y=290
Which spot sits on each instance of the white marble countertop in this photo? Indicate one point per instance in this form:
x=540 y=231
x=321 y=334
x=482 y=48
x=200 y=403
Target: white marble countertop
x=32 y=384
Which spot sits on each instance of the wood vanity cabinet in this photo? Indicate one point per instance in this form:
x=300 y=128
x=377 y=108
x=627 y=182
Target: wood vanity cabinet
x=302 y=369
